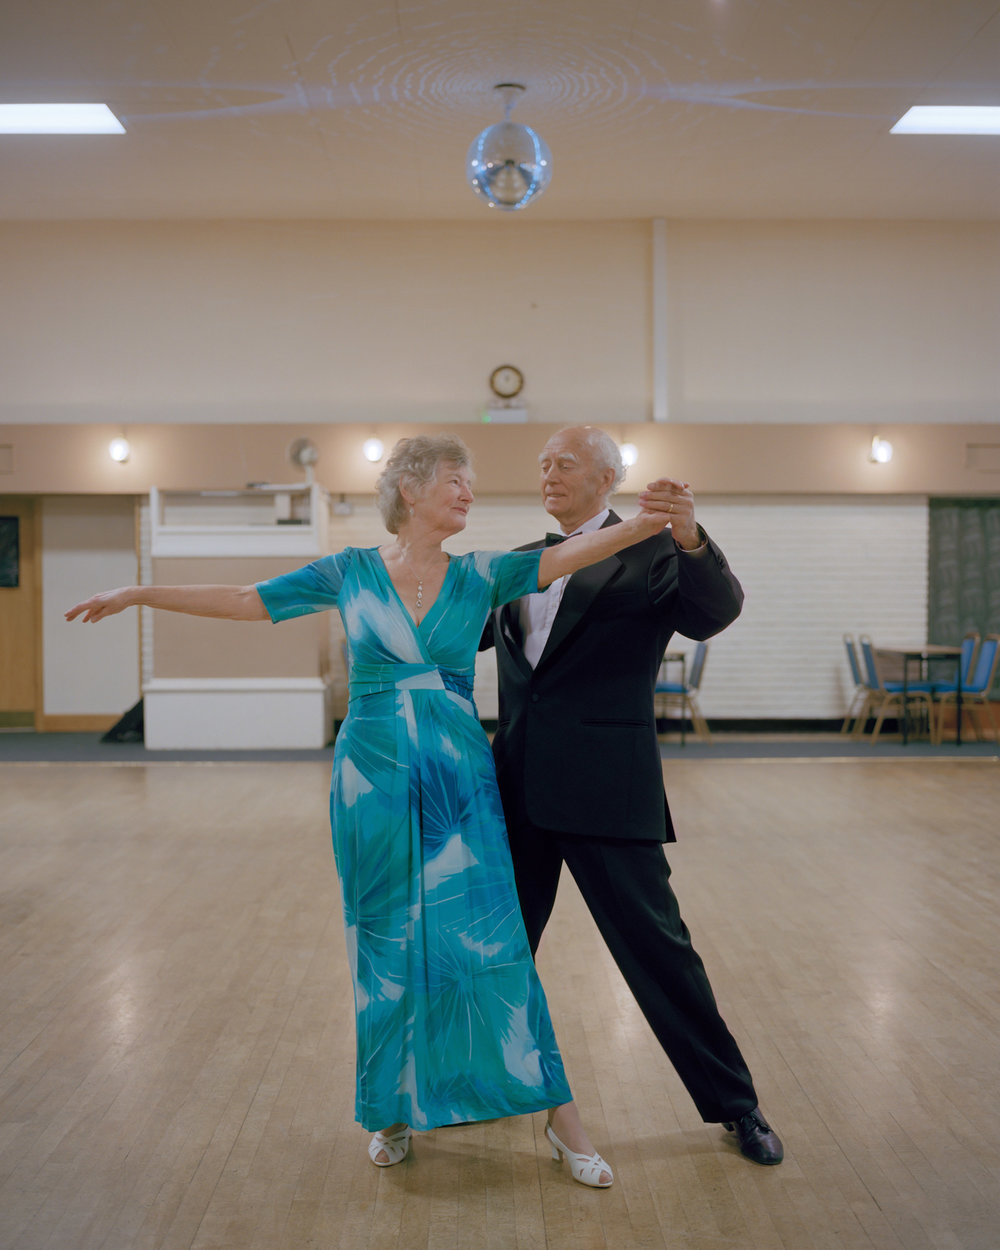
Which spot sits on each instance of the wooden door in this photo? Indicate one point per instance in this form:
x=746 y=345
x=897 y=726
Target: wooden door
x=20 y=615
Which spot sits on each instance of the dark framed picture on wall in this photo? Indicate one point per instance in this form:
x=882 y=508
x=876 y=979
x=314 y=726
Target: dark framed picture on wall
x=9 y=551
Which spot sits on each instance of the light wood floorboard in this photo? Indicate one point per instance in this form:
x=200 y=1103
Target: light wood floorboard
x=177 y=1050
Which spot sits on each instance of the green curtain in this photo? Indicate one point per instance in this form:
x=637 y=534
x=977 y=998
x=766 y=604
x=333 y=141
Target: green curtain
x=963 y=576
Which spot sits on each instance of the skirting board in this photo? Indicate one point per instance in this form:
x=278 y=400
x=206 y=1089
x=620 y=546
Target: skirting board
x=253 y=713
x=76 y=724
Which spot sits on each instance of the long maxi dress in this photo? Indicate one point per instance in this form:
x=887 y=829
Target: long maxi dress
x=452 y=1022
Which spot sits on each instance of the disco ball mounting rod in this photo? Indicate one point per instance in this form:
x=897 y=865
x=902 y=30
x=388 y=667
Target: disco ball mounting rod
x=510 y=92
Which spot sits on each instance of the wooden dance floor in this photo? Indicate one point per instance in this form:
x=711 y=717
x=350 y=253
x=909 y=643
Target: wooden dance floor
x=176 y=1024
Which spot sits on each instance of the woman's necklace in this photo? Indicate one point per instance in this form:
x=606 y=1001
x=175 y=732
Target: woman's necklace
x=419 y=576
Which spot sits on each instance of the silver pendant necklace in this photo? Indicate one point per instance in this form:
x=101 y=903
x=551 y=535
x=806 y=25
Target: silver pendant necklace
x=418 y=576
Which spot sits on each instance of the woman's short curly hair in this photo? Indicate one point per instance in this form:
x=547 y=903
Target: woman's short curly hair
x=413 y=463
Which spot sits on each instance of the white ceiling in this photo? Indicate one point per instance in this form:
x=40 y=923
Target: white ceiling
x=365 y=108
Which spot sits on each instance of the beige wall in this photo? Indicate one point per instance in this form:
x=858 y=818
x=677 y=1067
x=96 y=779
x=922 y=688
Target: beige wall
x=190 y=646
x=764 y=458
x=787 y=345
x=834 y=321
x=297 y=322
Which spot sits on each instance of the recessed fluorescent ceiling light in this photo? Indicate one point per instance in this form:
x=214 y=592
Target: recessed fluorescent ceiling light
x=949 y=119
x=59 y=119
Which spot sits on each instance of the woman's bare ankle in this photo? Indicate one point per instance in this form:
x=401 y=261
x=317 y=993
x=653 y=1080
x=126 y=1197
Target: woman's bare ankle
x=565 y=1122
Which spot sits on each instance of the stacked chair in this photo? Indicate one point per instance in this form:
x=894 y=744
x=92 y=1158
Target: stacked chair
x=859 y=706
x=979 y=669
x=667 y=693
x=887 y=696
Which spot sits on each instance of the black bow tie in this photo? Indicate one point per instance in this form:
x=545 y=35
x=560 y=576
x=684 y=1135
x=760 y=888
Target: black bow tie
x=552 y=539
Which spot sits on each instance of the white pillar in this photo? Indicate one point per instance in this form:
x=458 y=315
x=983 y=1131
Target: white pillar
x=659 y=322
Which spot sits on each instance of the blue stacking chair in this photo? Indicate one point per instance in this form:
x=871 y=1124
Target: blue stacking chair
x=685 y=693
x=970 y=653
x=979 y=670
x=887 y=696
x=861 y=699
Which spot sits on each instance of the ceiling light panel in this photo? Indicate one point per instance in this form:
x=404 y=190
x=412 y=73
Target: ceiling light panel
x=58 y=119
x=949 y=119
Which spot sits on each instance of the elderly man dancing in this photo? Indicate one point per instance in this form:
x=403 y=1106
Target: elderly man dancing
x=579 y=765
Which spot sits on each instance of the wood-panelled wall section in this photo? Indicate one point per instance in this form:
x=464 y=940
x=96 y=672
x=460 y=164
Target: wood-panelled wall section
x=20 y=610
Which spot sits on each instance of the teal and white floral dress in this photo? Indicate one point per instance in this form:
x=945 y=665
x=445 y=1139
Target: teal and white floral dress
x=452 y=1023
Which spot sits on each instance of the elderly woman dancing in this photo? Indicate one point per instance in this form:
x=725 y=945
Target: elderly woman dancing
x=452 y=1022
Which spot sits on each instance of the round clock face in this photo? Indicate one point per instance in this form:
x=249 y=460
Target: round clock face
x=506 y=381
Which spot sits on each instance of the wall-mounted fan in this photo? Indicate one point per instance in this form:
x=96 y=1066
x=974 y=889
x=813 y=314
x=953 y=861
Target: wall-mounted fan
x=304 y=453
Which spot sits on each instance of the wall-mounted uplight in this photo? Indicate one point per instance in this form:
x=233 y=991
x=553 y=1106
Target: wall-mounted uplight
x=881 y=451
x=630 y=454
x=373 y=449
x=119 y=450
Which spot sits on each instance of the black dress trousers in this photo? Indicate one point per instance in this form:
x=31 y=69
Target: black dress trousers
x=626 y=885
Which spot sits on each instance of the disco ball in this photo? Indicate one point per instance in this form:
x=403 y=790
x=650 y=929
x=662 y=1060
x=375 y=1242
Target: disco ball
x=508 y=165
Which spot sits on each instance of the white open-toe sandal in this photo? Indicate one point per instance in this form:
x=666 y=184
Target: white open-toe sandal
x=586 y=1169
x=395 y=1147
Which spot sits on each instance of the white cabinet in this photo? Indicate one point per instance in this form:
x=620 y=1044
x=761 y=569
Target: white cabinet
x=263 y=521
x=232 y=685
x=237 y=713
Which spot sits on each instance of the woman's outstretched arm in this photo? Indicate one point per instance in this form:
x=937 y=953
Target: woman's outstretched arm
x=583 y=549
x=229 y=603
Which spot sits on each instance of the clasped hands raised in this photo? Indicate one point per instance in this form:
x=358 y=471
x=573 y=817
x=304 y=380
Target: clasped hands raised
x=671 y=501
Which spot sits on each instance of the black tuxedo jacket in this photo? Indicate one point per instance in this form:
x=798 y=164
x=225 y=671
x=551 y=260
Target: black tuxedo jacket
x=575 y=747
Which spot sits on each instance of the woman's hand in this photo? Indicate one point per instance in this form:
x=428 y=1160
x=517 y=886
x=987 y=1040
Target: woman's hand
x=647 y=522
x=107 y=603
x=228 y=603
x=583 y=549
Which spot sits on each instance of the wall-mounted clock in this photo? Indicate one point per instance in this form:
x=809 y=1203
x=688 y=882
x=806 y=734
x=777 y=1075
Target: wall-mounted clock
x=506 y=381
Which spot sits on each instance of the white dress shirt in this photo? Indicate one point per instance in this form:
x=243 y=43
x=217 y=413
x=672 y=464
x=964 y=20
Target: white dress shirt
x=538 y=611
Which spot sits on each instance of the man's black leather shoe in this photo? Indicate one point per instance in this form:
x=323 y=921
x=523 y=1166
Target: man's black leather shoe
x=758 y=1140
